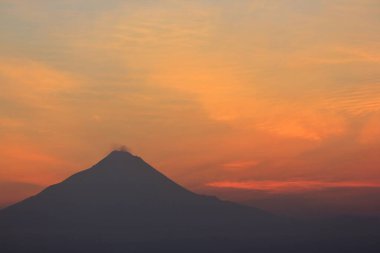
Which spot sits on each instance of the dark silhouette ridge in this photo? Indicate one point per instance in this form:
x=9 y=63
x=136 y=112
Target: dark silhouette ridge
x=122 y=204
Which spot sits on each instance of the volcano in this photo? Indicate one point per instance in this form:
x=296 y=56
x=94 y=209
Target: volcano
x=122 y=200
x=122 y=204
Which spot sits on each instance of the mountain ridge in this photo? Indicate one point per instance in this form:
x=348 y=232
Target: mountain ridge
x=122 y=173
x=122 y=204
x=122 y=189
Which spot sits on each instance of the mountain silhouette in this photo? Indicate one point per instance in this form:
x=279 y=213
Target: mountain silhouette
x=122 y=204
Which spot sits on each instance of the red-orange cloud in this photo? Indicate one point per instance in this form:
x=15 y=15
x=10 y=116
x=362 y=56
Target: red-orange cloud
x=291 y=186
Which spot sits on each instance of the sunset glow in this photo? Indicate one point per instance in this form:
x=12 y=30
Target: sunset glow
x=266 y=95
x=290 y=186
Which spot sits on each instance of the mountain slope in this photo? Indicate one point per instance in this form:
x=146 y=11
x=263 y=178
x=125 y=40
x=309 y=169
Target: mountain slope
x=122 y=204
x=123 y=199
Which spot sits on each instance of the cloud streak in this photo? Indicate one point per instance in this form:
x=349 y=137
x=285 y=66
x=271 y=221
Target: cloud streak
x=291 y=186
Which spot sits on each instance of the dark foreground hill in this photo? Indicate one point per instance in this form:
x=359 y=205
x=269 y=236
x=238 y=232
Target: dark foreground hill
x=122 y=204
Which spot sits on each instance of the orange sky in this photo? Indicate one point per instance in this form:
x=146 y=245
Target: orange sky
x=209 y=92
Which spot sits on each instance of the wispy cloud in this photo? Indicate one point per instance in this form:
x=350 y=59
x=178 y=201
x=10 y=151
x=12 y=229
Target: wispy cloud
x=291 y=186
x=34 y=84
x=240 y=165
x=356 y=100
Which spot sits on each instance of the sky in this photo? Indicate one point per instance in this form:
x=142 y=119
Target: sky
x=276 y=96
